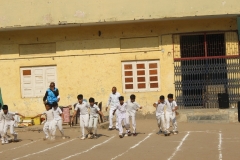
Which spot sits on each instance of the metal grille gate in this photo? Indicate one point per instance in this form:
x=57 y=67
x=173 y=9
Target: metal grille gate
x=198 y=80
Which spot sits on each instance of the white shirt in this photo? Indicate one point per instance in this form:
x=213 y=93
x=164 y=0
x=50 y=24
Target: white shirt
x=49 y=115
x=9 y=116
x=122 y=110
x=132 y=107
x=160 y=108
x=94 y=110
x=82 y=107
x=113 y=100
x=170 y=106
x=56 y=113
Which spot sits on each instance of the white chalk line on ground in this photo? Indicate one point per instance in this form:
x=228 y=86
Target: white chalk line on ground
x=133 y=146
x=45 y=149
x=89 y=149
x=19 y=146
x=202 y=132
x=179 y=146
x=220 y=145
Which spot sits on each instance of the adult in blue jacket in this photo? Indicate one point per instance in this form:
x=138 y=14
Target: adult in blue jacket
x=51 y=95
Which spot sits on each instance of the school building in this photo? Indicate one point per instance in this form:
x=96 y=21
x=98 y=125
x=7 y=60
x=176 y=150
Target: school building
x=147 y=48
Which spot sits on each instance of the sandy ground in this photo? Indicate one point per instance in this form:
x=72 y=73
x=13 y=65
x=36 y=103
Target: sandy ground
x=194 y=141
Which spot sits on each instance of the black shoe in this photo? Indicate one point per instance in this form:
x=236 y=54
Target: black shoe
x=110 y=129
x=129 y=133
x=120 y=136
x=134 y=134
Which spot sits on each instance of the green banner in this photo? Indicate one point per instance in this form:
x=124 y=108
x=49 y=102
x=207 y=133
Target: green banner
x=238 y=25
x=1 y=100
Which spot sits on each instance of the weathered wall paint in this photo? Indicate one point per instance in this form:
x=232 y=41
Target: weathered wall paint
x=90 y=63
x=54 y=12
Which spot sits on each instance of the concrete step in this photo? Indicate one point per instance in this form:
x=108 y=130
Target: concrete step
x=216 y=118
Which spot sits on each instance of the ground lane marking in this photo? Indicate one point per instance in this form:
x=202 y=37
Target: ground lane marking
x=19 y=146
x=133 y=146
x=45 y=149
x=179 y=146
x=220 y=145
x=88 y=149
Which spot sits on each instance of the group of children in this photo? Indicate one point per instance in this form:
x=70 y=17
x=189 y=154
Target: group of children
x=88 y=121
x=125 y=111
x=54 y=119
x=164 y=116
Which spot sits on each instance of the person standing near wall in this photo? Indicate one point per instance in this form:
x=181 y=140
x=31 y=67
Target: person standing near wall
x=113 y=100
x=51 y=95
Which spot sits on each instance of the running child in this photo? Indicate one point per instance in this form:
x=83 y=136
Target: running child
x=48 y=126
x=122 y=108
x=57 y=120
x=160 y=114
x=132 y=107
x=94 y=114
x=171 y=114
x=84 y=116
x=8 y=123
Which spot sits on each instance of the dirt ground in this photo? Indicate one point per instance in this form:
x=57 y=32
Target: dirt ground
x=194 y=141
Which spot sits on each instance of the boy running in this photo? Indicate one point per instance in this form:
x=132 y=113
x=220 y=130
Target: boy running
x=122 y=108
x=132 y=107
x=57 y=120
x=84 y=116
x=94 y=114
x=160 y=114
x=48 y=126
x=171 y=114
x=8 y=123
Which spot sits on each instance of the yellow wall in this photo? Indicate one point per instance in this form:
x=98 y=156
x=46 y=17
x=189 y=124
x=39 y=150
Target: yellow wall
x=91 y=64
x=45 y=12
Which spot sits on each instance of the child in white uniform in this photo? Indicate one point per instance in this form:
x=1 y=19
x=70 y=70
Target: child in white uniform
x=171 y=114
x=122 y=108
x=48 y=126
x=160 y=114
x=132 y=107
x=58 y=119
x=94 y=114
x=8 y=123
x=84 y=116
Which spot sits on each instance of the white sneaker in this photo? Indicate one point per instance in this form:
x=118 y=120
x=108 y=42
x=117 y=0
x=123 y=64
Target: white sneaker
x=83 y=137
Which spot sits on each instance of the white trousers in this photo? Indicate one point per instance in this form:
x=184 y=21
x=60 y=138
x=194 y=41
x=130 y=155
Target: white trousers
x=122 y=120
x=134 y=125
x=10 y=125
x=93 y=124
x=57 y=124
x=161 y=122
x=84 y=123
x=172 y=117
x=48 y=128
x=111 y=117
